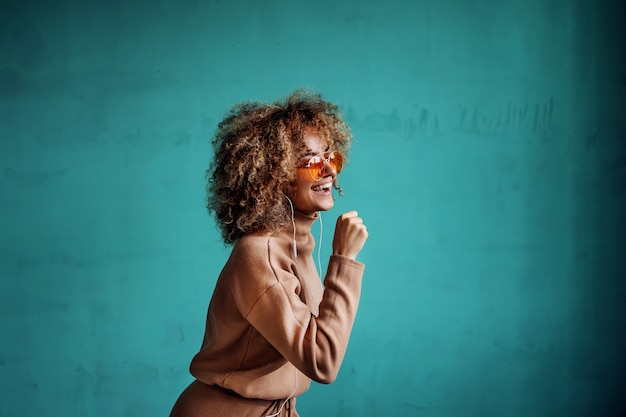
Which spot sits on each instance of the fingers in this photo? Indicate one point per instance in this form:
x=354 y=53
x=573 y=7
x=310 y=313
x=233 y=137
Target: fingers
x=348 y=214
x=350 y=235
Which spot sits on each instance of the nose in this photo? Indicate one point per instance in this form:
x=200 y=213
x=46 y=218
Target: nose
x=329 y=169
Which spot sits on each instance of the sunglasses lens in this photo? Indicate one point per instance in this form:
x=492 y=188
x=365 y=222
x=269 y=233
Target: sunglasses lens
x=318 y=162
x=335 y=159
x=316 y=167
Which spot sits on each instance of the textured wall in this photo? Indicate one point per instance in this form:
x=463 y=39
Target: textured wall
x=489 y=164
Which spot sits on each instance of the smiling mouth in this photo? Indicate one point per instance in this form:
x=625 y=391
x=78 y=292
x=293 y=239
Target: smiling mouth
x=323 y=187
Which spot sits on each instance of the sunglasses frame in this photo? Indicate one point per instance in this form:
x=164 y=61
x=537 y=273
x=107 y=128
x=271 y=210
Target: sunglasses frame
x=325 y=156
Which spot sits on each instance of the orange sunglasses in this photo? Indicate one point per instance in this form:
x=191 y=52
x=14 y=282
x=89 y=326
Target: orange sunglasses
x=317 y=164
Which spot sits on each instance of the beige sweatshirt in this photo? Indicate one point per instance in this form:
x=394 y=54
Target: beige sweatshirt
x=270 y=326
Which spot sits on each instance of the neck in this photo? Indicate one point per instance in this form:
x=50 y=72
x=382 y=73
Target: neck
x=300 y=231
x=304 y=221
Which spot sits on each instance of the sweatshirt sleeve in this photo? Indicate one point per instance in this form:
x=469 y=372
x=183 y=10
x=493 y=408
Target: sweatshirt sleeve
x=314 y=345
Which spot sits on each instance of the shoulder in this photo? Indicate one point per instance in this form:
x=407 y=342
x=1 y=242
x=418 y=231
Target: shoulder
x=251 y=245
x=260 y=246
x=256 y=264
x=260 y=255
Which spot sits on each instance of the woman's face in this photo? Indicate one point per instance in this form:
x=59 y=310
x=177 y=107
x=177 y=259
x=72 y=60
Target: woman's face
x=312 y=196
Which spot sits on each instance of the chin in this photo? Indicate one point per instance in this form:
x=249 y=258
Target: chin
x=326 y=207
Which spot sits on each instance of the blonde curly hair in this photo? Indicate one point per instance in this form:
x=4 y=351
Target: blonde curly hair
x=257 y=148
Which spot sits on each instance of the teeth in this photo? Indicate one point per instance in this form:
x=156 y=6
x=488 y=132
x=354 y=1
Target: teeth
x=322 y=187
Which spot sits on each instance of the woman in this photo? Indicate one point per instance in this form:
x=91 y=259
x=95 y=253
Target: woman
x=271 y=327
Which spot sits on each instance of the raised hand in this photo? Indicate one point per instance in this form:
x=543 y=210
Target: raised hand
x=350 y=235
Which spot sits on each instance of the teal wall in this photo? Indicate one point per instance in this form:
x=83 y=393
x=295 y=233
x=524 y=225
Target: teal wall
x=489 y=164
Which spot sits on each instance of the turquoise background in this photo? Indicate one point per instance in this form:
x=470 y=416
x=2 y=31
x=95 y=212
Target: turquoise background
x=488 y=163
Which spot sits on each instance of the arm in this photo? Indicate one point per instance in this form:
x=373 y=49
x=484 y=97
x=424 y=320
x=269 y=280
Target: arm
x=315 y=345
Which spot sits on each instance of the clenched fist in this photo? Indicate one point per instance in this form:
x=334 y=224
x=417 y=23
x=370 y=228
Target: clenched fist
x=350 y=235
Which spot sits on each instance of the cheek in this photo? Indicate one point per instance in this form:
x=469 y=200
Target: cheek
x=303 y=180
x=302 y=191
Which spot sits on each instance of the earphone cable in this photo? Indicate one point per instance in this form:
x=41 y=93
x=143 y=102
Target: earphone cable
x=295 y=252
x=319 y=247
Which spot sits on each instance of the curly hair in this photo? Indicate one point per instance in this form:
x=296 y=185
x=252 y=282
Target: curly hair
x=257 y=147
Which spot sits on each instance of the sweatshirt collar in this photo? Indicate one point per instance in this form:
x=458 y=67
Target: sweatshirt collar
x=305 y=241
x=304 y=222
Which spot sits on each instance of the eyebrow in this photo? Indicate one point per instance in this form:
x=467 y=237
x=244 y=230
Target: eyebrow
x=312 y=153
